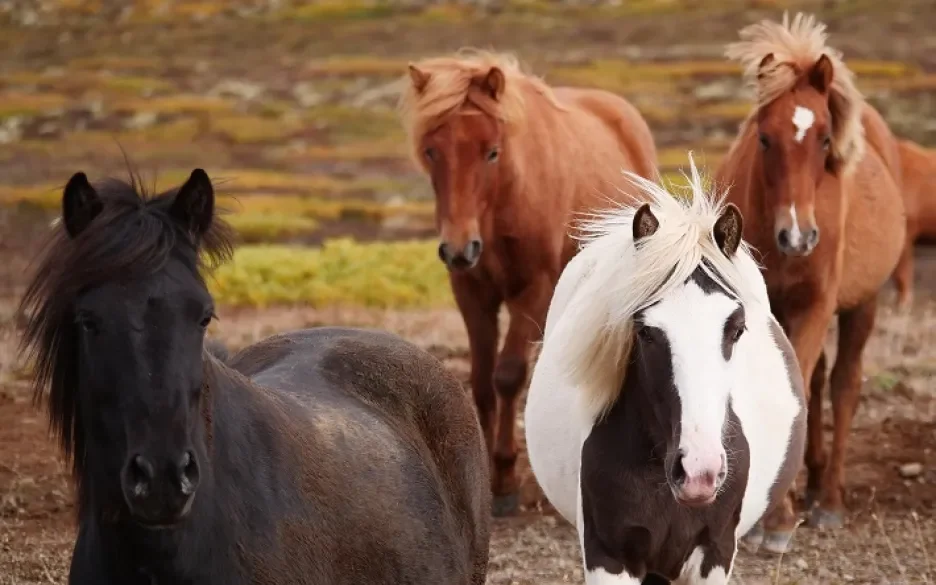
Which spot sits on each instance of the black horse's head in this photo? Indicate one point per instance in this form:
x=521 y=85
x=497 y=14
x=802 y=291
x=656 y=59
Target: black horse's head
x=118 y=312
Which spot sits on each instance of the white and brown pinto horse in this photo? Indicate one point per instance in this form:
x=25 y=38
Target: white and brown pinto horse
x=690 y=409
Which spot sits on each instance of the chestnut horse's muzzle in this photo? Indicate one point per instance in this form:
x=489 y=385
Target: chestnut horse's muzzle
x=462 y=259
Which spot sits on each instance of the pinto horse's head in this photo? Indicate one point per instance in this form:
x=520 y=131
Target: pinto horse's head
x=683 y=364
x=119 y=313
x=458 y=112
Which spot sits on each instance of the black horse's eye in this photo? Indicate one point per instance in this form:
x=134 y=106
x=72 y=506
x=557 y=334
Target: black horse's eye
x=87 y=322
x=430 y=154
x=206 y=320
x=764 y=141
x=493 y=154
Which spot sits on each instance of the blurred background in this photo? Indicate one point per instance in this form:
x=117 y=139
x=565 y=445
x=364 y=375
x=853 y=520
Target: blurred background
x=290 y=107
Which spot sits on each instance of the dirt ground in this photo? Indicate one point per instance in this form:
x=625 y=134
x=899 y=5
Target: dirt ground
x=890 y=537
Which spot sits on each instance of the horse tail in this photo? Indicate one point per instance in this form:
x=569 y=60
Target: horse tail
x=216 y=348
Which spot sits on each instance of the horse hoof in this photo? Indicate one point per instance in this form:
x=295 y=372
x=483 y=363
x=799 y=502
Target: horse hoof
x=810 y=498
x=826 y=519
x=779 y=543
x=754 y=538
x=505 y=505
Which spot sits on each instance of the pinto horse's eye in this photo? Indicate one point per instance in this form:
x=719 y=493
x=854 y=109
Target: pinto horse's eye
x=764 y=141
x=644 y=333
x=493 y=154
x=737 y=333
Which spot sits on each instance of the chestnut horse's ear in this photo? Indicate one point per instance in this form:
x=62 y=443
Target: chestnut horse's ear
x=419 y=78
x=765 y=62
x=494 y=83
x=645 y=223
x=728 y=230
x=820 y=76
x=194 y=204
x=80 y=204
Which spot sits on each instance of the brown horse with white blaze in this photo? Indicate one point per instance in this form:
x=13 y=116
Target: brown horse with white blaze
x=918 y=165
x=512 y=161
x=815 y=174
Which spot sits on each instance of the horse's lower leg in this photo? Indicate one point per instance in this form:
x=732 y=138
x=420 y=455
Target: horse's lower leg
x=903 y=274
x=527 y=315
x=855 y=328
x=479 y=306
x=815 y=442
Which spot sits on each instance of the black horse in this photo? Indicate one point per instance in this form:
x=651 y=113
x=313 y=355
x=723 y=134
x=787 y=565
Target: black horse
x=322 y=456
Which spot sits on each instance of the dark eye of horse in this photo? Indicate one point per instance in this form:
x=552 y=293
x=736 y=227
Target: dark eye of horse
x=86 y=322
x=206 y=320
x=644 y=334
x=738 y=332
x=493 y=154
x=430 y=154
x=764 y=141
x=826 y=142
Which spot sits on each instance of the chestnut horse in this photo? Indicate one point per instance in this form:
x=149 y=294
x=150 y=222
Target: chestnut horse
x=825 y=212
x=919 y=176
x=512 y=161
x=325 y=455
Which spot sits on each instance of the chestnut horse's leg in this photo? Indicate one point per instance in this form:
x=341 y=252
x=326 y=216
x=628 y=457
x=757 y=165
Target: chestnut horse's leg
x=855 y=327
x=815 y=442
x=527 y=318
x=479 y=303
x=903 y=274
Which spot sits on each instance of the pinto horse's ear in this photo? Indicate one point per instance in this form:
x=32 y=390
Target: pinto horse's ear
x=194 y=204
x=80 y=204
x=820 y=76
x=645 y=223
x=728 y=230
x=494 y=83
x=418 y=77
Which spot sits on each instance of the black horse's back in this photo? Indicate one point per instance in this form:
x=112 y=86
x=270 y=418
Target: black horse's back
x=381 y=399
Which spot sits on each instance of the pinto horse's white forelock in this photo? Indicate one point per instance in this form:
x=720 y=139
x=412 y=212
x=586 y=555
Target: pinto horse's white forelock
x=622 y=279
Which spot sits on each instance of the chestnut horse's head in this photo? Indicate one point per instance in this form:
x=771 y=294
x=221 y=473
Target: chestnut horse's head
x=794 y=133
x=457 y=112
x=808 y=122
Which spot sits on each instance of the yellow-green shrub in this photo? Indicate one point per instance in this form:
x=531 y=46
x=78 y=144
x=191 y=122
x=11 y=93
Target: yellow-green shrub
x=341 y=272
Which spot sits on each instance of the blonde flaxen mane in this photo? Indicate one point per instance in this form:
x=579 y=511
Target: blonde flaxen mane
x=597 y=325
x=454 y=81
x=796 y=46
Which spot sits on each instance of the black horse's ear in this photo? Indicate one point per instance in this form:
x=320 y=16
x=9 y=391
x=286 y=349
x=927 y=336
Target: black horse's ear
x=80 y=204
x=728 y=230
x=194 y=204
x=645 y=223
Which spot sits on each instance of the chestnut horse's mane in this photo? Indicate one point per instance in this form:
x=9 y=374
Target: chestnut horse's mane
x=796 y=46
x=455 y=82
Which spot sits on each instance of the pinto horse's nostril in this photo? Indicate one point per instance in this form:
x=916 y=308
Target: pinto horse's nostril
x=678 y=472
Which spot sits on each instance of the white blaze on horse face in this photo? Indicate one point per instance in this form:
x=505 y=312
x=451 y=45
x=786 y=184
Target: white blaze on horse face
x=795 y=234
x=803 y=119
x=694 y=324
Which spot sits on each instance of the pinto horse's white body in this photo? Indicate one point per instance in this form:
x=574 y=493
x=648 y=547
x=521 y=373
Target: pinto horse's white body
x=763 y=394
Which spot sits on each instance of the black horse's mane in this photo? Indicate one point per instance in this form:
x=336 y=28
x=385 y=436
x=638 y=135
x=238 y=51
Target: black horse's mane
x=134 y=234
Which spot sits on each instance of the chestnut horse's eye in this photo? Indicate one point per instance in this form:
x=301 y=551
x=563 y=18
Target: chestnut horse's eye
x=764 y=141
x=826 y=142
x=493 y=154
x=430 y=154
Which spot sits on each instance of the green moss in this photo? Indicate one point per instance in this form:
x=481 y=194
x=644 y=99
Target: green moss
x=245 y=129
x=347 y=124
x=356 y=65
x=342 y=10
x=29 y=104
x=341 y=272
x=265 y=227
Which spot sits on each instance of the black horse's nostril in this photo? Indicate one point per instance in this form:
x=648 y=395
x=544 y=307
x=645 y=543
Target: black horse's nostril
x=188 y=473
x=473 y=250
x=140 y=472
x=678 y=472
x=783 y=238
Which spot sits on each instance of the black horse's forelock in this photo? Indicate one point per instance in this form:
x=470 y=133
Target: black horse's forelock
x=133 y=235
